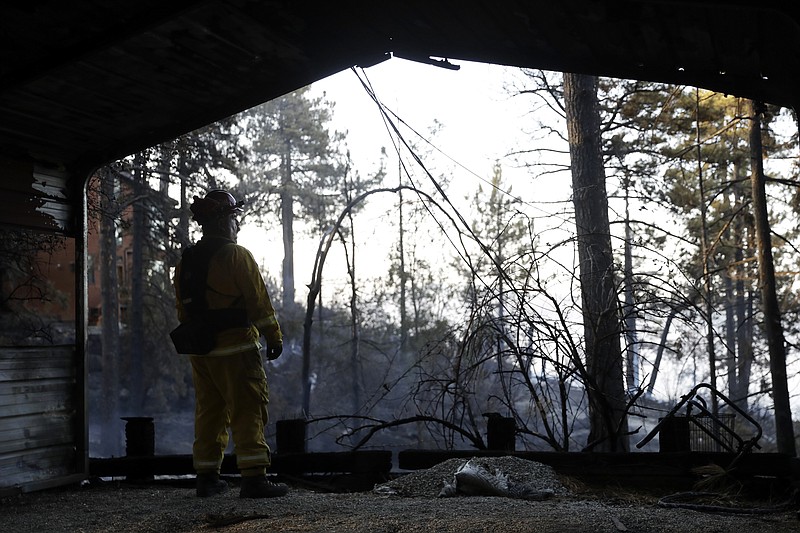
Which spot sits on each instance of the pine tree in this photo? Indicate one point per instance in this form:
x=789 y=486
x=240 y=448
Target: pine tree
x=598 y=290
x=293 y=158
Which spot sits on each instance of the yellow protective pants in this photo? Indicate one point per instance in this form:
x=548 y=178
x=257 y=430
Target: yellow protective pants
x=230 y=391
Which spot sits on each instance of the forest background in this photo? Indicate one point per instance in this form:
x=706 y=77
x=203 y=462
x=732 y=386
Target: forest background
x=423 y=246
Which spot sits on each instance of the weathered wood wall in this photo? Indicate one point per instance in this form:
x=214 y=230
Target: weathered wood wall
x=39 y=417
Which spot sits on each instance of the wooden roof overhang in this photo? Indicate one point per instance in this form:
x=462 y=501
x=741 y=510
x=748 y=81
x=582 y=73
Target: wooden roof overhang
x=83 y=83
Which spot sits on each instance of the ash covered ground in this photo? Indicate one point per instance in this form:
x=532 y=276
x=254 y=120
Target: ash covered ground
x=406 y=504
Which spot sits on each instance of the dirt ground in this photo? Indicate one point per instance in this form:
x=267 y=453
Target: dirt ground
x=408 y=504
x=173 y=507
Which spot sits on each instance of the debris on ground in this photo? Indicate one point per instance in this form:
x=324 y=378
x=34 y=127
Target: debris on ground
x=473 y=479
x=506 y=476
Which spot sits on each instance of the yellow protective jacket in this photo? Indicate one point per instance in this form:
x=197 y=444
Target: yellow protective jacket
x=234 y=281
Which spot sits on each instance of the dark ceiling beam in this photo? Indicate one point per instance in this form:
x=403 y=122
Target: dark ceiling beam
x=148 y=16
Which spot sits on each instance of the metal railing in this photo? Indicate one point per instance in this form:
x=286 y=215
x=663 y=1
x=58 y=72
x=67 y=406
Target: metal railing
x=710 y=431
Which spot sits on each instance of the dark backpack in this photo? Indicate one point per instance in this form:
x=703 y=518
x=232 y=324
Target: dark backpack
x=197 y=335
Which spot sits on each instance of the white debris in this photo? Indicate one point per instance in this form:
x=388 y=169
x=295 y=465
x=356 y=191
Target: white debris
x=473 y=479
x=506 y=476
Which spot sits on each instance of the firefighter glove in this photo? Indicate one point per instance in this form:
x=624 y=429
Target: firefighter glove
x=274 y=350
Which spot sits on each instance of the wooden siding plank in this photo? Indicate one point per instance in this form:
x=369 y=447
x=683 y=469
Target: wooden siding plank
x=43 y=409
x=27 y=368
x=54 y=354
x=24 y=356
x=38 y=400
x=33 y=364
x=33 y=375
x=37 y=457
x=43 y=441
x=34 y=465
x=50 y=350
x=14 y=391
x=34 y=428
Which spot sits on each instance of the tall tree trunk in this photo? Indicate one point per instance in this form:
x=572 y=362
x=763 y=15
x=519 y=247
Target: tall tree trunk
x=109 y=284
x=287 y=222
x=744 y=348
x=705 y=253
x=183 y=220
x=769 y=300
x=136 y=309
x=730 y=336
x=631 y=337
x=730 y=301
x=164 y=208
x=604 y=361
x=744 y=305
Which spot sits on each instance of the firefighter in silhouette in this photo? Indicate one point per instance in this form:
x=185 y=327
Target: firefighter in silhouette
x=221 y=294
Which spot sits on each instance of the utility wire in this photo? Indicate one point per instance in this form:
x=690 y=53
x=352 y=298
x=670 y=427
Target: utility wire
x=388 y=112
x=390 y=120
x=396 y=136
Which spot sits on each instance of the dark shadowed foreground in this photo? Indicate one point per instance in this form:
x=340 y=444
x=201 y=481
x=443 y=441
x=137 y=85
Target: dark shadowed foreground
x=407 y=504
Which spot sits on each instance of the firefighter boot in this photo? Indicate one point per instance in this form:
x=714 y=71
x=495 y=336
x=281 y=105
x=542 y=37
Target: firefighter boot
x=209 y=484
x=261 y=487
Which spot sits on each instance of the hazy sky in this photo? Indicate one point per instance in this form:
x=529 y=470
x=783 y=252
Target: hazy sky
x=479 y=124
x=479 y=121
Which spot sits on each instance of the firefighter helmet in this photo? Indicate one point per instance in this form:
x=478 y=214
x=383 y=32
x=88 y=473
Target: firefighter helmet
x=216 y=203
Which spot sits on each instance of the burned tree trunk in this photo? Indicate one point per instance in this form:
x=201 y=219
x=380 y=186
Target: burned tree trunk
x=109 y=339
x=766 y=275
x=604 y=361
